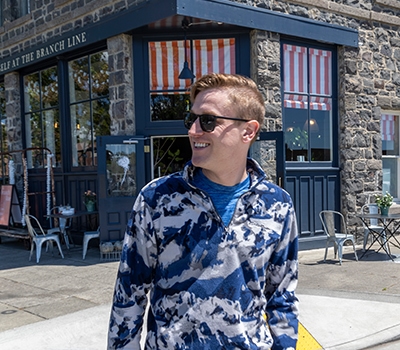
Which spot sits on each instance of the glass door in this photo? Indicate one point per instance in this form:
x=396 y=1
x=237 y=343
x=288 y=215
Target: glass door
x=121 y=174
x=268 y=151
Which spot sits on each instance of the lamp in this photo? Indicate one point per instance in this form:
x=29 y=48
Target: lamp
x=186 y=73
x=313 y=125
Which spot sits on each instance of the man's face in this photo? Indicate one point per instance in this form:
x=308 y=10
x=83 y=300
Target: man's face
x=221 y=151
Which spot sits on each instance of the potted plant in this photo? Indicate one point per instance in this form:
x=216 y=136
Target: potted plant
x=384 y=201
x=89 y=199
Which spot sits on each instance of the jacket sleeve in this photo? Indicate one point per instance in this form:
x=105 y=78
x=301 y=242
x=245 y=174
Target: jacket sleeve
x=134 y=279
x=282 y=276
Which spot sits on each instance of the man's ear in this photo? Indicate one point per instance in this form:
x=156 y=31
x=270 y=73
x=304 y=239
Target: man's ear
x=250 y=131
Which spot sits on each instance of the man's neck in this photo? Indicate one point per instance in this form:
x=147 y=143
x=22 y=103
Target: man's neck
x=226 y=178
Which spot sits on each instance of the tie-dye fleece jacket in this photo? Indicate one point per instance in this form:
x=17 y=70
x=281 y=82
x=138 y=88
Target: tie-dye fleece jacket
x=211 y=286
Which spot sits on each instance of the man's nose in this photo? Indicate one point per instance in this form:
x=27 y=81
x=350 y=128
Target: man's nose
x=196 y=128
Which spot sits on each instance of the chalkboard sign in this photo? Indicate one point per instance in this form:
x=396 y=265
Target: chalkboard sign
x=9 y=205
x=5 y=204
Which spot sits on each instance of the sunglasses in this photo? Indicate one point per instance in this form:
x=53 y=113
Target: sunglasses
x=207 y=121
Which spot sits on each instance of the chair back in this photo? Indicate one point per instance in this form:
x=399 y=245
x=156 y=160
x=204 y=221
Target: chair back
x=371 y=208
x=32 y=231
x=332 y=222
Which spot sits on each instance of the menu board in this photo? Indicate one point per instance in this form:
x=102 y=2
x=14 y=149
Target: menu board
x=5 y=204
x=9 y=205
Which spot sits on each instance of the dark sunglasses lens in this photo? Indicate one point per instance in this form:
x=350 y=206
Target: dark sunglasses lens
x=190 y=118
x=207 y=122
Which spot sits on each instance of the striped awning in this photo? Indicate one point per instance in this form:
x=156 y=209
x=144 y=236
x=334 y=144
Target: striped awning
x=387 y=127
x=166 y=60
x=301 y=102
x=307 y=76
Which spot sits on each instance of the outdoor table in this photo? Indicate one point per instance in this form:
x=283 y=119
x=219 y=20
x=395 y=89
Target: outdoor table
x=63 y=230
x=382 y=237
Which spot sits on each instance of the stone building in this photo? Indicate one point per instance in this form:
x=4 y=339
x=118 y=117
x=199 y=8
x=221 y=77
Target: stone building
x=95 y=84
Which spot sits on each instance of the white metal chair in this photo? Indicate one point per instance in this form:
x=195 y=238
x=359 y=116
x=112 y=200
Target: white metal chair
x=87 y=236
x=335 y=228
x=372 y=208
x=39 y=237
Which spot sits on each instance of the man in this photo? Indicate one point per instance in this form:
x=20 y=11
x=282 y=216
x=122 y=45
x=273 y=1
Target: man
x=216 y=245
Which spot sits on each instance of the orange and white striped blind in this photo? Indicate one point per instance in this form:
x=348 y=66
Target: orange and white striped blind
x=307 y=72
x=166 y=60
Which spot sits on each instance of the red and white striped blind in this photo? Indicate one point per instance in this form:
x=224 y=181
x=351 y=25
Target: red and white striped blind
x=166 y=60
x=299 y=82
x=387 y=127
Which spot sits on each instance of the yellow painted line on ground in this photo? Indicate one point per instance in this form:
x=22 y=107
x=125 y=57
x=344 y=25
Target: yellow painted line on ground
x=306 y=341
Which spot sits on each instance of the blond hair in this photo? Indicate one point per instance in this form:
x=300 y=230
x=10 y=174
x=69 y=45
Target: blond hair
x=243 y=94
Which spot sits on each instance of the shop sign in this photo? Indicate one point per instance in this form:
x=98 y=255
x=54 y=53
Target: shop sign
x=48 y=50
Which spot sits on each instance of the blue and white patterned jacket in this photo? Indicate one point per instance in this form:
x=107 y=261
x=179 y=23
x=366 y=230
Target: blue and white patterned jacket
x=211 y=286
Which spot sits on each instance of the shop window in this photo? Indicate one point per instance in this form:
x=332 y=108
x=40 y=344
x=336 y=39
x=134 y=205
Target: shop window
x=169 y=96
x=307 y=104
x=390 y=154
x=42 y=122
x=89 y=106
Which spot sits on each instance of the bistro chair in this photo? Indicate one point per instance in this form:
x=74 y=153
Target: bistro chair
x=39 y=236
x=372 y=208
x=87 y=236
x=336 y=231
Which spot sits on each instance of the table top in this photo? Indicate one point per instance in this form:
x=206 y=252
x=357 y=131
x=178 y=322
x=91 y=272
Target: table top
x=76 y=214
x=379 y=216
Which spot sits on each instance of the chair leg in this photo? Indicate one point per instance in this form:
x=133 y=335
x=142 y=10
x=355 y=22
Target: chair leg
x=326 y=251
x=32 y=244
x=355 y=252
x=59 y=247
x=365 y=240
x=340 y=252
x=38 y=251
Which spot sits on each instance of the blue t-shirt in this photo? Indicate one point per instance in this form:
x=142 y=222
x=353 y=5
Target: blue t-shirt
x=224 y=197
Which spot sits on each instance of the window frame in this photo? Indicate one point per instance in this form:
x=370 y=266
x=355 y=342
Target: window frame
x=334 y=162
x=391 y=157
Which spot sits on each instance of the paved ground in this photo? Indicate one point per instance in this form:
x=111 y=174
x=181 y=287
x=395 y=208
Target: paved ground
x=31 y=292
x=65 y=303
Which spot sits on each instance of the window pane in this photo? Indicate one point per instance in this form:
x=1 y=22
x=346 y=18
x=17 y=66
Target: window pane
x=79 y=79
x=51 y=133
x=49 y=87
x=101 y=117
x=296 y=130
x=320 y=130
x=390 y=171
x=81 y=126
x=99 y=72
x=295 y=68
x=32 y=92
x=169 y=107
x=390 y=134
x=320 y=62
x=121 y=170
